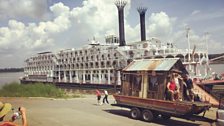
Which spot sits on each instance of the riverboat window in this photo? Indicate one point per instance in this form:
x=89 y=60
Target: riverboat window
x=146 y=52
x=96 y=64
x=108 y=63
x=91 y=65
x=115 y=54
x=108 y=56
x=154 y=52
x=114 y=63
x=102 y=64
x=196 y=58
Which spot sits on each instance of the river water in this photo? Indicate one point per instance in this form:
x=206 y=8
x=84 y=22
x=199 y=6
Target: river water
x=218 y=68
x=8 y=77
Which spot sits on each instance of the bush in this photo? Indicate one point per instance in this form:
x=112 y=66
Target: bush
x=32 y=90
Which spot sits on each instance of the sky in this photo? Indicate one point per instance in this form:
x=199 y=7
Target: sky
x=28 y=27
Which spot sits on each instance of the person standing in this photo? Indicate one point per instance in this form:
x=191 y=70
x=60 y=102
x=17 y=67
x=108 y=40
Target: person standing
x=189 y=85
x=105 y=97
x=153 y=81
x=178 y=80
x=98 y=95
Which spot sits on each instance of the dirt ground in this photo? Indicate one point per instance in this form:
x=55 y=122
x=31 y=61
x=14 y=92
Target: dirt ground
x=85 y=112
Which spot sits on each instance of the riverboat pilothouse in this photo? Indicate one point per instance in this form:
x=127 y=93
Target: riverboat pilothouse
x=101 y=63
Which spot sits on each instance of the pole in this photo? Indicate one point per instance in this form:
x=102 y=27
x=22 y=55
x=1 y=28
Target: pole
x=189 y=46
x=206 y=42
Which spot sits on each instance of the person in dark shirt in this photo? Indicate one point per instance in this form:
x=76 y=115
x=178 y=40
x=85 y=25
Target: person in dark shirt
x=153 y=81
x=189 y=87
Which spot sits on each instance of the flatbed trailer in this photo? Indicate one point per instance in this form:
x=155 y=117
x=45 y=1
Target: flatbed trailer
x=144 y=90
x=149 y=109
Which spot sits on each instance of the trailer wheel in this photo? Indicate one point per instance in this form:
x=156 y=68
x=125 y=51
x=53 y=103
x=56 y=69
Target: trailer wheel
x=147 y=115
x=165 y=117
x=135 y=113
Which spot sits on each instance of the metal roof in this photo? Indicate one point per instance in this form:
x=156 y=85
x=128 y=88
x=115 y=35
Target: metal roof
x=164 y=64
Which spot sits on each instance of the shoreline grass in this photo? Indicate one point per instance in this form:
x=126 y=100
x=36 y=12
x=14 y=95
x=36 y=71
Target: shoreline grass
x=15 y=89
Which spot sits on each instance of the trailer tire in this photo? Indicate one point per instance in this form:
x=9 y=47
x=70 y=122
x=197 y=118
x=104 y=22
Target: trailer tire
x=135 y=113
x=147 y=115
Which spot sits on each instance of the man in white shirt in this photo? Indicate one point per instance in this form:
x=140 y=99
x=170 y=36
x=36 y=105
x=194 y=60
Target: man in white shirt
x=105 y=97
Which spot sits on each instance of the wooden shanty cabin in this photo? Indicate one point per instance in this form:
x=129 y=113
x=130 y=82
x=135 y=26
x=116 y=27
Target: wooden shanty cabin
x=147 y=78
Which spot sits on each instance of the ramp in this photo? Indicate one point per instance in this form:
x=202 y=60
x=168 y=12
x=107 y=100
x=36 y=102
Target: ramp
x=205 y=96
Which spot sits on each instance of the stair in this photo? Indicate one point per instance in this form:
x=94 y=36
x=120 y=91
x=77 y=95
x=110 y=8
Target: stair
x=205 y=96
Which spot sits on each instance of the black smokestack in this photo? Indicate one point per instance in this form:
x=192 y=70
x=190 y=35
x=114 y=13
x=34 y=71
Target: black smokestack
x=141 y=11
x=120 y=6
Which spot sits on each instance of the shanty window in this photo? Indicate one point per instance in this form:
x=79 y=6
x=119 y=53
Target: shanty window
x=137 y=82
x=153 y=81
